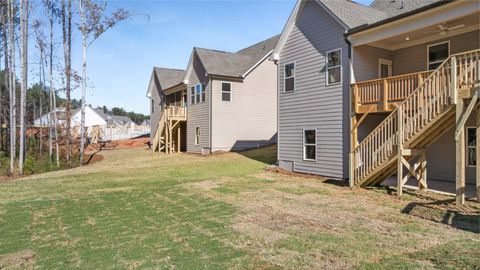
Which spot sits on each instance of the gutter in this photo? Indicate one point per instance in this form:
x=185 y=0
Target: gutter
x=397 y=17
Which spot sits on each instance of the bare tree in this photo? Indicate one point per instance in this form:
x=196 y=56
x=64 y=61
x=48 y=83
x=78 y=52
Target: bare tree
x=93 y=23
x=12 y=83
x=3 y=95
x=23 y=84
x=66 y=15
x=52 y=12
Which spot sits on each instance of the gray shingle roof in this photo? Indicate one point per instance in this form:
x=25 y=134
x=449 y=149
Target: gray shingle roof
x=354 y=14
x=168 y=77
x=397 y=7
x=235 y=64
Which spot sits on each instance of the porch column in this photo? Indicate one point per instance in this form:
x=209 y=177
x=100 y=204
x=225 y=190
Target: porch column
x=400 y=151
x=353 y=145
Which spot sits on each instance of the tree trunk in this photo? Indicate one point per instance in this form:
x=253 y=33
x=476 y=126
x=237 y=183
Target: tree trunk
x=67 y=48
x=52 y=88
x=7 y=69
x=12 y=84
x=23 y=92
x=84 y=79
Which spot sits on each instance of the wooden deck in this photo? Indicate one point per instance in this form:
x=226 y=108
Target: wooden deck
x=168 y=135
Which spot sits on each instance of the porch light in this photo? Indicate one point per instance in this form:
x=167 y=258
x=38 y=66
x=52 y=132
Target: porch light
x=407 y=38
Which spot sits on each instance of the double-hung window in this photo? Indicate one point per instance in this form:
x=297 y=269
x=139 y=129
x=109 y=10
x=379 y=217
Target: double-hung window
x=310 y=144
x=334 y=67
x=289 y=78
x=153 y=105
x=437 y=53
x=204 y=86
x=192 y=95
x=198 y=92
x=197 y=135
x=471 y=146
x=226 y=91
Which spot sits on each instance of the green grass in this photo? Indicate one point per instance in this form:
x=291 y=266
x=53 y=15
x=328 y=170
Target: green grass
x=138 y=209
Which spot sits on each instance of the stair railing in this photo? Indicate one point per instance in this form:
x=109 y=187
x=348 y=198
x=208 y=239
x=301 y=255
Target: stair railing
x=416 y=112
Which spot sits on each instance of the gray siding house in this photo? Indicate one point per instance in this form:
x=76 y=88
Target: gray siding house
x=223 y=101
x=232 y=99
x=366 y=92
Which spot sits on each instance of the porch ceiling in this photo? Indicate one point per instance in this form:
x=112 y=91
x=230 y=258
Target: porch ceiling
x=430 y=33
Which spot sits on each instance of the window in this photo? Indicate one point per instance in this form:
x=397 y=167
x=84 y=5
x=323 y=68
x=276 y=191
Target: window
x=289 y=80
x=471 y=146
x=437 y=53
x=309 y=144
x=226 y=91
x=197 y=135
x=203 y=91
x=192 y=95
x=198 y=92
x=334 y=67
x=152 y=109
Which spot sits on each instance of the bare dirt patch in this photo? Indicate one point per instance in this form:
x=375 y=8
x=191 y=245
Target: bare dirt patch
x=21 y=259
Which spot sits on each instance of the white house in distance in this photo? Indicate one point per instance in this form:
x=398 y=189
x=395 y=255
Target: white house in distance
x=92 y=118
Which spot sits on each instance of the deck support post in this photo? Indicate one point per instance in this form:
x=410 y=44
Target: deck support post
x=422 y=183
x=459 y=140
x=477 y=147
x=385 y=95
x=400 y=151
x=178 y=138
x=353 y=145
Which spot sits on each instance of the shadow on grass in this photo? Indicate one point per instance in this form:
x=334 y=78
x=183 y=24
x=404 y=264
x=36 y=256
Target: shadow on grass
x=441 y=211
x=266 y=154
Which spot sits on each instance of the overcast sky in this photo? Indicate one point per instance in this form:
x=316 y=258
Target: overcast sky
x=120 y=62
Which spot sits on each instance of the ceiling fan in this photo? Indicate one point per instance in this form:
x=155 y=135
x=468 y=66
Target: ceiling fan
x=443 y=29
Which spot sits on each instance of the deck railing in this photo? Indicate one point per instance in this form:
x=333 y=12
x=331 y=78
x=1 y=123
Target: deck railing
x=413 y=116
x=386 y=90
x=176 y=112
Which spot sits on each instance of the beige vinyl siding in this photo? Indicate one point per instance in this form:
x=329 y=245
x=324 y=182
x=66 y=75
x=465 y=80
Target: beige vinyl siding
x=249 y=120
x=155 y=116
x=198 y=114
x=365 y=61
x=414 y=59
x=313 y=105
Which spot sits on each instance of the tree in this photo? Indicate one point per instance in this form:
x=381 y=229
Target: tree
x=23 y=92
x=12 y=83
x=66 y=15
x=93 y=23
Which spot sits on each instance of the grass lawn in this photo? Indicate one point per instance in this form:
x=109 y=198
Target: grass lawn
x=137 y=209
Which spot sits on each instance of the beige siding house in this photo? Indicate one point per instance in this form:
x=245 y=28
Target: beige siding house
x=224 y=101
x=385 y=93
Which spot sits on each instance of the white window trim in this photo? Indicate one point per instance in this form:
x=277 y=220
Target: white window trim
x=304 y=144
x=221 y=92
x=384 y=61
x=467 y=146
x=428 y=53
x=197 y=141
x=285 y=77
x=327 y=68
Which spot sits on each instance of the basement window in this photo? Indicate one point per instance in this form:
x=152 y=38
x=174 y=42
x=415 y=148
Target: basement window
x=309 y=144
x=334 y=67
x=471 y=146
x=437 y=53
x=197 y=135
x=226 y=91
x=289 y=78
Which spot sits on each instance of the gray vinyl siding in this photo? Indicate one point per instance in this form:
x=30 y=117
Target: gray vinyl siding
x=313 y=105
x=414 y=59
x=365 y=61
x=198 y=114
x=441 y=158
x=157 y=113
x=249 y=120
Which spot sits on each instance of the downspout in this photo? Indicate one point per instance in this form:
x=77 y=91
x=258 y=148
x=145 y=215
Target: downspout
x=210 y=94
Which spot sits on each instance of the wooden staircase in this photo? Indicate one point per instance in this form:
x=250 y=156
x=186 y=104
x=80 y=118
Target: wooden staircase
x=418 y=121
x=168 y=134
